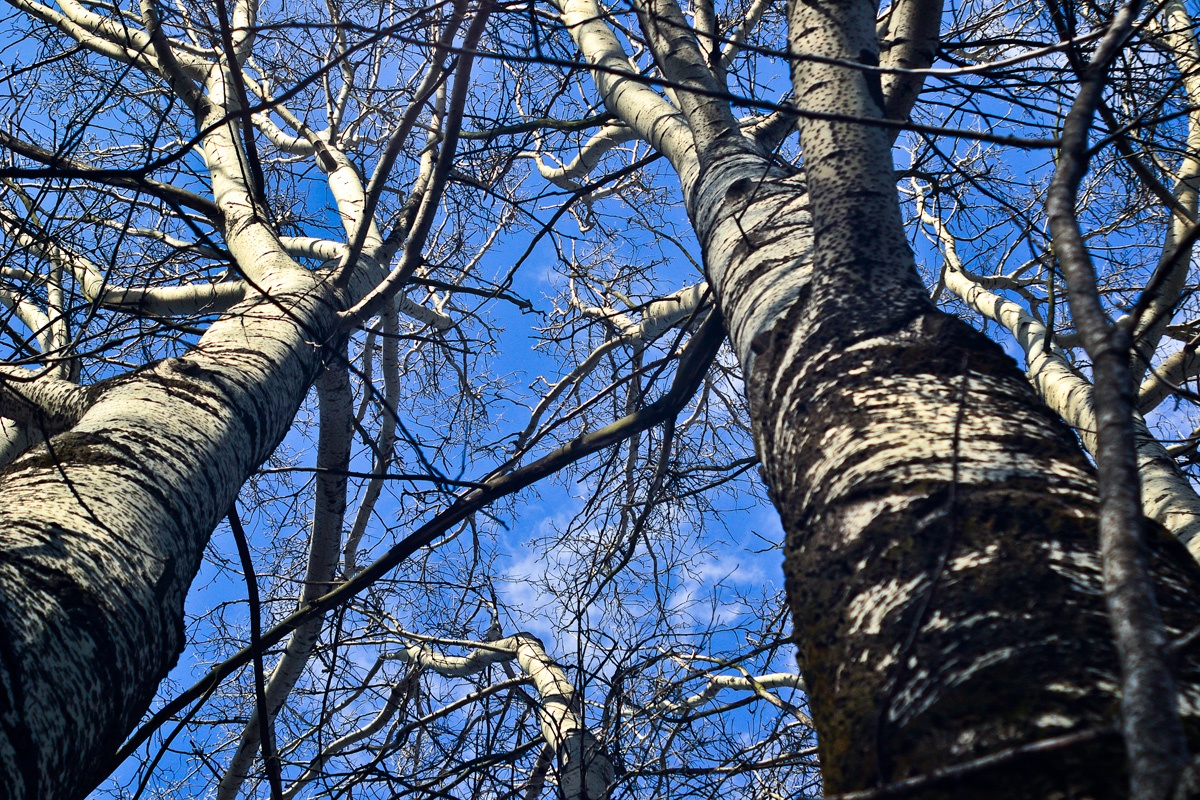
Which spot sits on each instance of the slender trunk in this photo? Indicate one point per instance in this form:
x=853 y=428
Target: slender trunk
x=336 y=410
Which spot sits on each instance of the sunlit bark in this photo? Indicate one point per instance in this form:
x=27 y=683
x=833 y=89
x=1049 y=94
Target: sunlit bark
x=99 y=549
x=106 y=521
x=941 y=520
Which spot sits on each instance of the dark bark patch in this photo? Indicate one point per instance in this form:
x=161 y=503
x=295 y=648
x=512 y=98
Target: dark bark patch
x=938 y=622
x=72 y=449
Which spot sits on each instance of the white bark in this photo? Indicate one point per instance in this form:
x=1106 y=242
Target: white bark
x=35 y=397
x=747 y=25
x=1177 y=29
x=658 y=317
x=384 y=442
x=15 y=438
x=590 y=152
x=1174 y=371
x=313 y=771
x=716 y=684
x=126 y=46
x=163 y=301
x=584 y=769
x=31 y=316
x=644 y=111
x=94 y=567
x=908 y=40
x=100 y=546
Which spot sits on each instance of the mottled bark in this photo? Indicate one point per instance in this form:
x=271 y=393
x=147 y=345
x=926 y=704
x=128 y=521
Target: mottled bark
x=48 y=404
x=941 y=522
x=104 y=525
x=942 y=564
x=1168 y=497
x=941 y=554
x=908 y=39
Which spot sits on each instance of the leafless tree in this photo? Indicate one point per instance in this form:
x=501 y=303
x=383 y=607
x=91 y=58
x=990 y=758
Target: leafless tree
x=281 y=266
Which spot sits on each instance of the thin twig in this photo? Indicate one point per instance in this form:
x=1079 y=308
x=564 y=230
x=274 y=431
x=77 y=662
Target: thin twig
x=697 y=357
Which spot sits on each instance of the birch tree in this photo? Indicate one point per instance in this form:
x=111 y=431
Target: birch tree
x=254 y=232
x=262 y=263
x=837 y=341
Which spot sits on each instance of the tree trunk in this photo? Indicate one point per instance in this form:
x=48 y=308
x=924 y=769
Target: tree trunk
x=942 y=565
x=104 y=526
x=941 y=522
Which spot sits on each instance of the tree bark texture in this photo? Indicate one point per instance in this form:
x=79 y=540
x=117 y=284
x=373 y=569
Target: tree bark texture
x=1167 y=496
x=942 y=563
x=941 y=556
x=104 y=526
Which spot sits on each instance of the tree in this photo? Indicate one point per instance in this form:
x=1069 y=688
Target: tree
x=211 y=210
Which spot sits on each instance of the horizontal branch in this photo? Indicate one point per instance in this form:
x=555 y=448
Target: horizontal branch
x=740 y=683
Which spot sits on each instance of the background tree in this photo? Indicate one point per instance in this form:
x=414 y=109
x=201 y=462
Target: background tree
x=211 y=209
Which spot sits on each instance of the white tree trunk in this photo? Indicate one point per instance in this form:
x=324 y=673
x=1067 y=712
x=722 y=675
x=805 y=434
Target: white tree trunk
x=105 y=525
x=940 y=520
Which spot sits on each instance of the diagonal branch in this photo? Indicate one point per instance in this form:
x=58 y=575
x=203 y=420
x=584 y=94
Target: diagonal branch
x=693 y=366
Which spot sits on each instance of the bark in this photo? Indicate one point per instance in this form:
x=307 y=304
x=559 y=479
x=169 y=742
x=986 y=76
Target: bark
x=759 y=685
x=99 y=546
x=941 y=521
x=585 y=771
x=658 y=317
x=1155 y=742
x=908 y=39
x=384 y=442
x=104 y=524
x=49 y=404
x=1168 y=497
x=1176 y=28
x=941 y=553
